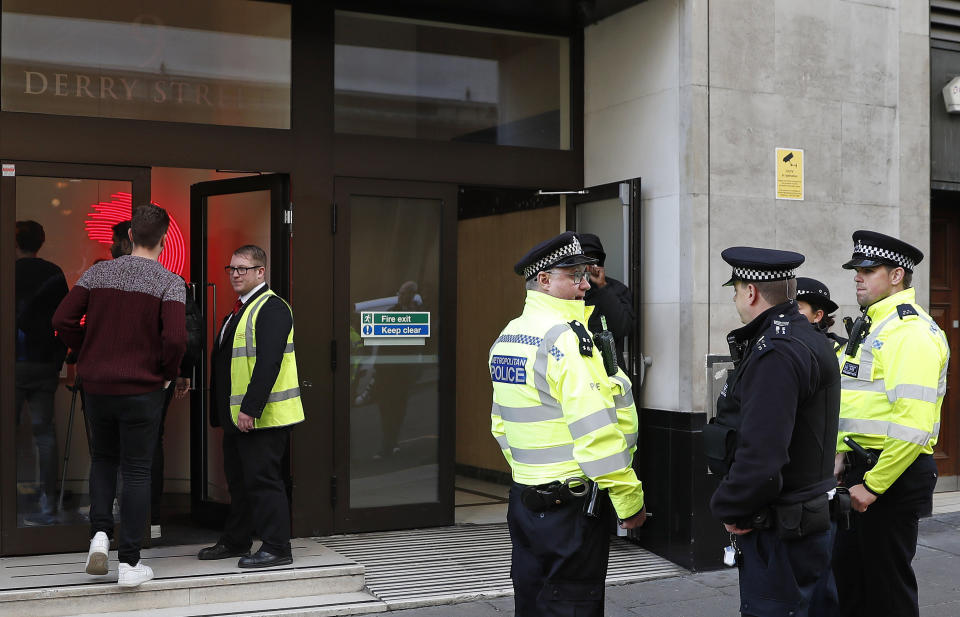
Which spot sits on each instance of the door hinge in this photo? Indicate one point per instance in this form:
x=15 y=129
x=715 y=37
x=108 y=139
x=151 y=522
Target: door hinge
x=333 y=355
x=333 y=217
x=333 y=491
x=288 y=217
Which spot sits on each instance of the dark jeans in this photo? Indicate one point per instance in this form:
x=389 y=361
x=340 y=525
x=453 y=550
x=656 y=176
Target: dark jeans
x=123 y=433
x=36 y=384
x=253 y=463
x=156 y=470
x=872 y=560
x=559 y=559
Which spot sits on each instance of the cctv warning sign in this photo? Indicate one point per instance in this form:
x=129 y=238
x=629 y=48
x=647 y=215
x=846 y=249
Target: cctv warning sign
x=790 y=173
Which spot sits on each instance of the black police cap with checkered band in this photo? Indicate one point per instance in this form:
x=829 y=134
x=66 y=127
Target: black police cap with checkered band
x=557 y=252
x=754 y=265
x=871 y=248
x=816 y=294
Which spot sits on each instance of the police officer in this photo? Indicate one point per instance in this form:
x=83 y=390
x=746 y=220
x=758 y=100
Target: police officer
x=772 y=439
x=568 y=431
x=893 y=382
x=814 y=303
x=611 y=298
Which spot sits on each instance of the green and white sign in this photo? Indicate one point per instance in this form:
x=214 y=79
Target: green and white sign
x=395 y=324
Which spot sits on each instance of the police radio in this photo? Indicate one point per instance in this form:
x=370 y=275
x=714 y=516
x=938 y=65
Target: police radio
x=858 y=331
x=608 y=347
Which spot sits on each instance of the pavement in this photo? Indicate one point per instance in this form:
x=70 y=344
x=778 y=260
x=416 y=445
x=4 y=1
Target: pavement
x=716 y=594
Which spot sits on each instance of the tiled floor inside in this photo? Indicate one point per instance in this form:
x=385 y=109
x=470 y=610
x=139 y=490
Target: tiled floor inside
x=479 y=502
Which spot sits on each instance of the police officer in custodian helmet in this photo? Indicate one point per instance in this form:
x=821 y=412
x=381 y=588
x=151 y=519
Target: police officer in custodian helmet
x=567 y=426
x=773 y=438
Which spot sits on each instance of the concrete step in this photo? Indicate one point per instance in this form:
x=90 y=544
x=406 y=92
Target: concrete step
x=354 y=603
x=56 y=585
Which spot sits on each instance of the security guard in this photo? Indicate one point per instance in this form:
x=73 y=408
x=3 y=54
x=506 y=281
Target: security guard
x=568 y=431
x=893 y=381
x=773 y=438
x=814 y=303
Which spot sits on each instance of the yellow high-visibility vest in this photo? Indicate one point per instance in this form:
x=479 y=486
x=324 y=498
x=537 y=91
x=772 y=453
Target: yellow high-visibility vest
x=892 y=389
x=556 y=413
x=283 y=404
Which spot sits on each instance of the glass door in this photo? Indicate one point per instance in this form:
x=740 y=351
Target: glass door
x=395 y=298
x=225 y=215
x=55 y=222
x=612 y=213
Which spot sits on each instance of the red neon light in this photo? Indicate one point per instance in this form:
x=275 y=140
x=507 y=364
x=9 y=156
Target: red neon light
x=106 y=214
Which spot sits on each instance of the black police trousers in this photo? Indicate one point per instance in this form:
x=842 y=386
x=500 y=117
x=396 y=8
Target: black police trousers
x=779 y=578
x=559 y=561
x=872 y=560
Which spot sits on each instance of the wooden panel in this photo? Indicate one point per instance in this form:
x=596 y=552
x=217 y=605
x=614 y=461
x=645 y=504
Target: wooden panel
x=489 y=295
x=945 y=309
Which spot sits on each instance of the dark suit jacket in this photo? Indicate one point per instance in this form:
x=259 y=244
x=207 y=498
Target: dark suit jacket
x=273 y=327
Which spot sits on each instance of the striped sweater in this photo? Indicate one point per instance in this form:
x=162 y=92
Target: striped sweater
x=134 y=335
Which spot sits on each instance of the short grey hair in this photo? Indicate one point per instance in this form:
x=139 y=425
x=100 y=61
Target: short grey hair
x=533 y=284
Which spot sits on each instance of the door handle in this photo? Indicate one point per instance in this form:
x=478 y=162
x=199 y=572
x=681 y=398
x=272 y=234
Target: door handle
x=213 y=320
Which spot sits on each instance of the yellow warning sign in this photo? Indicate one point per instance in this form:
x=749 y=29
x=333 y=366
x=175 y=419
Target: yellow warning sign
x=789 y=173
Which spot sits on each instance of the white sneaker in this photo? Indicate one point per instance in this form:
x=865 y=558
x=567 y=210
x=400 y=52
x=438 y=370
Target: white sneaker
x=97 y=557
x=131 y=576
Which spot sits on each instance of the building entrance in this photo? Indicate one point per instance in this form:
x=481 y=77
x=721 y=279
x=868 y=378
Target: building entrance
x=945 y=309
x=44 y=456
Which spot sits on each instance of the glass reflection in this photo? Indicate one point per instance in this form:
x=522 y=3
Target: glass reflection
x=424 y=80
x=52 y=249
x=394 y=387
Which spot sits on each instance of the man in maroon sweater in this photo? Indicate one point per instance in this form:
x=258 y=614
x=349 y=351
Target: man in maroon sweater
x=130 y=349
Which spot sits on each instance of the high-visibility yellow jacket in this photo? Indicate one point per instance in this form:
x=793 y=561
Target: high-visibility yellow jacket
x=556 y=413
x=284 y=406
x=892 y=390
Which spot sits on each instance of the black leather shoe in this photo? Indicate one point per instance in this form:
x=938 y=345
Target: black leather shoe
x=263 y=559
x=221 y=551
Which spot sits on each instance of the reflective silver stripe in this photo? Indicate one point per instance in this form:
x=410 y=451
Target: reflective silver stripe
x=627 y=386
x=283 y=395
x=912 y=391
x=942 y=383
x=866 y=348
x=250 y=351
x=890 y=429
x=540 y=364
x=537 y=413
x=495 y=409
x=502 y=440
x=543 y=456
x=607 y=464
x=590 y=423
x=908 y=434
x=622 y=401
x=273 y=397
x=631 y=439
x=852 y=383
x=863 y=427
x=250 y=315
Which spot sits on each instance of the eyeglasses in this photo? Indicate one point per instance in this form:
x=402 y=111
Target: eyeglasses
x=241 y=270
x=577 y=275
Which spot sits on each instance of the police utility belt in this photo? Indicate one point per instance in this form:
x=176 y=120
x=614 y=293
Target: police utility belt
x=799 y=520
x=543 y=497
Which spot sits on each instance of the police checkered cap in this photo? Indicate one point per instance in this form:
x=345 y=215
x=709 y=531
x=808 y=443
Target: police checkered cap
x=761 y=264
x=871 y=248
x=750 y=274
x=885 y=254
x=562 y=250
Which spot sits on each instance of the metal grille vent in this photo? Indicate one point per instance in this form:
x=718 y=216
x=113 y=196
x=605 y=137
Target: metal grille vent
x=419 y=567
x=945 y=20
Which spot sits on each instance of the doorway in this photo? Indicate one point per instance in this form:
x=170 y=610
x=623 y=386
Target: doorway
x=225 y=215
x=945 y=310
x=394 y=289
